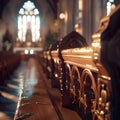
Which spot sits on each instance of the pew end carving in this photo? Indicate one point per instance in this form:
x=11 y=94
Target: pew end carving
x=106 y=58
x=89 y=75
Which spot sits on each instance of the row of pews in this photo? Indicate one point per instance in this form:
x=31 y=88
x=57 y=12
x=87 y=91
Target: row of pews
x=8 y=63
x=88 y=77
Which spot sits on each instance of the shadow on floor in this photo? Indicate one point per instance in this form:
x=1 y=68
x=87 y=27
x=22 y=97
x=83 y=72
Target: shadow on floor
x=9 y=94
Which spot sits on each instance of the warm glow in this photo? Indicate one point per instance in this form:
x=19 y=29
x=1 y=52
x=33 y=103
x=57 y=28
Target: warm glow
x=79 y=17
x=96 y=44
x=62 y=15
x=37 y=35
x=26 y=51
x=80 y=5
x=77 y=28
x=20 y=34
x=31 y=51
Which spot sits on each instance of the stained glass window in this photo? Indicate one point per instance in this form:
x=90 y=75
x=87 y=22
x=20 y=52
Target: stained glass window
x=79 y=16
x=28 y=20
x=110 y=6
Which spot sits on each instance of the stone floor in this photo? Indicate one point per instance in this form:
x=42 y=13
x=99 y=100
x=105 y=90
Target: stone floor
x=28 y=95
x=34 y=102
x=9 y=94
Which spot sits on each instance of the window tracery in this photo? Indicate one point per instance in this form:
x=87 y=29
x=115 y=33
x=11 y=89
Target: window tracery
x=110 y=6
x=28 y=20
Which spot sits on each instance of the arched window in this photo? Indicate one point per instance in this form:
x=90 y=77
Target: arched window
x=28 y=22
x=110 y=6
x=79 y=16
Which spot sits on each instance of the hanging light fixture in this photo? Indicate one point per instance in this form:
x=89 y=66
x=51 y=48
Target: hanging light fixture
x=62 y=15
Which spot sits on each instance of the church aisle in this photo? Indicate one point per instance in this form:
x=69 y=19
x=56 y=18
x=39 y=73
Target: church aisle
x=9 y=93
x=34 y=102
x=28 y=95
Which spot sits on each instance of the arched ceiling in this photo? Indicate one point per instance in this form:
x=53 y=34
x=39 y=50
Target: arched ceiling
x=3 y=3
x=40 y=4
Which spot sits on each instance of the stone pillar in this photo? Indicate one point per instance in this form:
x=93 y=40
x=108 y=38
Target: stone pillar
x=87 y=19
x=2 y=32
x=92 y=14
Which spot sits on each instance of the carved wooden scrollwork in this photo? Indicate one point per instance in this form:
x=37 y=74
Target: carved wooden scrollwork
x=89 y=91
x=68 y=76
x=107 y=59
x=75 y=84
x=103 y=107
x=90 y=75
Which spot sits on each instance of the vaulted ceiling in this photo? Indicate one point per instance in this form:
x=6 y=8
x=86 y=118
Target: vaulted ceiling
x=52 y=4
x=3 y=3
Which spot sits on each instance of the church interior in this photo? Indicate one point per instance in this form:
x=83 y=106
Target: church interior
x=59 y=59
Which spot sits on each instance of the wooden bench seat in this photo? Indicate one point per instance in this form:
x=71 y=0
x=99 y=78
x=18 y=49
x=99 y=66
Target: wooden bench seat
x=89 y=75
